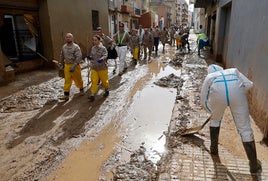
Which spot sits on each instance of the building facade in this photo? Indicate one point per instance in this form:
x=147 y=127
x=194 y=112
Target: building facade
x=30 y=28
x=126 y=11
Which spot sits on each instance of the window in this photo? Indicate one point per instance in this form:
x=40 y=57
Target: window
x=95 y=19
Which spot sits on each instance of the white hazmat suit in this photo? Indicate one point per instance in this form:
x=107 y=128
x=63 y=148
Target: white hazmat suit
x=223 y=88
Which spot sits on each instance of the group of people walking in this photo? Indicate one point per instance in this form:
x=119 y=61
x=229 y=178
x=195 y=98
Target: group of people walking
x=141 y=41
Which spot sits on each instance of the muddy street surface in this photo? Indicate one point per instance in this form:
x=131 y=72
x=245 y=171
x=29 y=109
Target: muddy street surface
x=38 y=132
x=130 y=135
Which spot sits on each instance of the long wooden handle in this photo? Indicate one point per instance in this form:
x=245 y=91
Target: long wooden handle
x=56 y=62
x=208 y=119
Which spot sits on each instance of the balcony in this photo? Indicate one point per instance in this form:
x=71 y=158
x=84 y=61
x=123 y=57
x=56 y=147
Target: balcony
x=126 y=9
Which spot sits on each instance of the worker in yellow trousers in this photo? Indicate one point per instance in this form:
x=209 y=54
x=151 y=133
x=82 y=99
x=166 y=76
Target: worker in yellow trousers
x=72 y=76
x=178 y=39
x=99 y=68
x=135 y=45
x=70 y=58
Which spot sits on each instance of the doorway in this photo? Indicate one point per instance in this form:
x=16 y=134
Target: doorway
x=8 y=38
x=14 y=33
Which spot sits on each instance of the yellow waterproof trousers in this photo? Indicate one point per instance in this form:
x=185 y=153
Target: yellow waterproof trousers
x=178 y=41
x=72 y=76
x=97 y=75
x=135 y=53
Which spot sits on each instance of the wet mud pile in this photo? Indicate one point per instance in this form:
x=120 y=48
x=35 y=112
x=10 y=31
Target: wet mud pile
x=187 y=110
x=187 y=102
x=176 y=61
x=171 y=81
x=31 y=98
x=139 y=168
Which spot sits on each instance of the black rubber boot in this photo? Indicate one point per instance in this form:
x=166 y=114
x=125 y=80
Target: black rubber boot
x=106 y=93
x=65 y=97
x=250 y=149
x=214 y=138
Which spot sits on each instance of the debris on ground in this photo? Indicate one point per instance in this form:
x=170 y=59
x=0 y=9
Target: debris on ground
x=139 y=168
x=31 y=98
x=176 y=61
x=171 y=81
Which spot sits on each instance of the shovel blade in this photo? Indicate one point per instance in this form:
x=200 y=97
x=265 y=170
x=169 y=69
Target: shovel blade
x=191 y=131
x=194 y=130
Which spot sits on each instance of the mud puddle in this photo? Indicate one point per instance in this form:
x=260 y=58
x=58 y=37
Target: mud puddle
x=86 y=162
x=148 y=120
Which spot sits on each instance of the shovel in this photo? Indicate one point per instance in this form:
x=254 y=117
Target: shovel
x=194 y=130
x=31 y=44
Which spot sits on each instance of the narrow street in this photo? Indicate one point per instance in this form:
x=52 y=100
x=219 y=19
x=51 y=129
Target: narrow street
x=39 y=132
x=43 y=139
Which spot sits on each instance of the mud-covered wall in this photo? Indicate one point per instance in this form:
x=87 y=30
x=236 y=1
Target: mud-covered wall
x=248 y=51
x=63 y=16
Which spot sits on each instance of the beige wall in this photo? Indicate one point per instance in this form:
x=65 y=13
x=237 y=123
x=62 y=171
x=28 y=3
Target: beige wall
x=62 y=16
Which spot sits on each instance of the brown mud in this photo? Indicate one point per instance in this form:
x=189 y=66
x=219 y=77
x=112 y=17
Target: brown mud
x=127 y=135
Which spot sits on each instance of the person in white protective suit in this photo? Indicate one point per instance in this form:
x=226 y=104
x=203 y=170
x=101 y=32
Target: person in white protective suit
x=222 y=88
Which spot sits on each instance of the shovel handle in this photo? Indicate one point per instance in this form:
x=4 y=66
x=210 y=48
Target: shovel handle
x=208 y=119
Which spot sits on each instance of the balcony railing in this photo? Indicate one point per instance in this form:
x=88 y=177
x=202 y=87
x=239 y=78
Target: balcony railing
x=126 y=9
